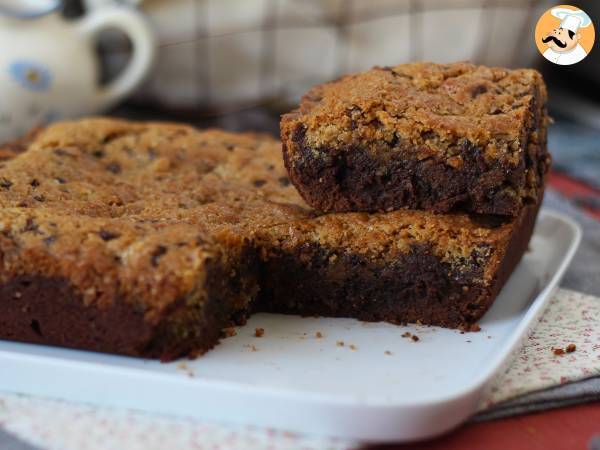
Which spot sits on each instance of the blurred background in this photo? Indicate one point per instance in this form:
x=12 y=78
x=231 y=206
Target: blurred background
x=238 y=64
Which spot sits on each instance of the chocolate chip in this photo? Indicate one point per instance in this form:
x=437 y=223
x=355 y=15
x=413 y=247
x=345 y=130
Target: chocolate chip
x=156 y=254
x=393 y=72
x=35 y=326
x=429 y=134
x=114 y=167
x=229 y=147
x=98 y=154
x=478 y=90
x=114 y=135
x=39 y=198
x=34 y=183
x=31 y=226
x=259 y=183
x=61 y=152
x=108 y=235
x=298 y=134
x=284 y=181
x=49 y=240
x=5 y=183
x=151 y=152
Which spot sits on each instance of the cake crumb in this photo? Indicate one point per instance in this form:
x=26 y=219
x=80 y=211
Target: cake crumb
x=340 y=343
x=387 y=352
x=318 y=335
x=353 y=347
x=571 y=348
x=251 y=347
x=184 y=368
x=406 y=334
x=229 y=331
x=475 y=328
x=415 y=338
x=259 y=332
x=558 y=351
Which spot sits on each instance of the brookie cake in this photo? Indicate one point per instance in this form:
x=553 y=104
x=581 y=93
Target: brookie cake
x=152 y=239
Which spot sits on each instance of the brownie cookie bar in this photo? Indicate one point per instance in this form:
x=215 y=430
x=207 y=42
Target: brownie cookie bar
x=152 y=239
x=399 y=267
x=439 y=137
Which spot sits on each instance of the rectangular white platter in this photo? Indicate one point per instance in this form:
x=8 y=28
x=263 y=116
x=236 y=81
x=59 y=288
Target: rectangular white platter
x=293 y=380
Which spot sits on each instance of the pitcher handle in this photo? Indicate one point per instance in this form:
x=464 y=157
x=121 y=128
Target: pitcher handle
x=143 y=53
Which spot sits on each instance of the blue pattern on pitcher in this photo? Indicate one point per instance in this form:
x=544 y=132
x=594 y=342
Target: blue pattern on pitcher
x=30 y=75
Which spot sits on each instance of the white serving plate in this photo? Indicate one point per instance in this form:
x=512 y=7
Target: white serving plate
x=292 y=380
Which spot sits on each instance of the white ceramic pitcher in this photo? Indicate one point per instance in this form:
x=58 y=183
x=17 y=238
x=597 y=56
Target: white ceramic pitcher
x=49 y=69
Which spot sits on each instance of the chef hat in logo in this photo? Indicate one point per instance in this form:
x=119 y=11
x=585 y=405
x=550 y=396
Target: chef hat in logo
x=570 y=19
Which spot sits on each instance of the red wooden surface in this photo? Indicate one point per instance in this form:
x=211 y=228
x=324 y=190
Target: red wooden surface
x=566 y=428
x=585 y=196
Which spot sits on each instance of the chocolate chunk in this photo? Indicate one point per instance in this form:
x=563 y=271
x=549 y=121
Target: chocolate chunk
x=114 y=167
x=49 y=240
x=5 y=183
x=31 y=226
x=478 y=90
x=108 y=235
x=157 y=254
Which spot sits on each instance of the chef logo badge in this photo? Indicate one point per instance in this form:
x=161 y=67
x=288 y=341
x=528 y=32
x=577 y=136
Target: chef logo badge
x=564 y=35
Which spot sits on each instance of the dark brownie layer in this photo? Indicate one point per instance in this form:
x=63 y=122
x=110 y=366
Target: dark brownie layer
x=442 y=138
x=49 y=311
x=416 y=287
x=354 y=180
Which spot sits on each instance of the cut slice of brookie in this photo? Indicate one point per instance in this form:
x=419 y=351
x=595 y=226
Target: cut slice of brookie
x=438 y=137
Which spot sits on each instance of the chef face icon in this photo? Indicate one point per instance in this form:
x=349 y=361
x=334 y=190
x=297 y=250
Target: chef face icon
x=561 y=34
x=561 y=40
